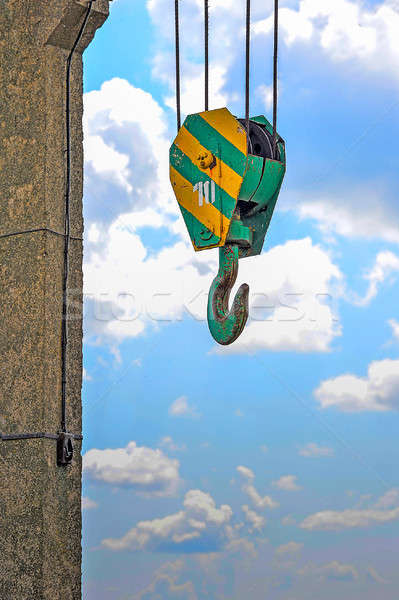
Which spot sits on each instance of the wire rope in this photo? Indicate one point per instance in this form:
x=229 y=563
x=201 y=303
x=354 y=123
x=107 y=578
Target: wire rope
x=206 y=41
x=177 y=47
x=275 y=77
x=67 y=224
x=247 y=61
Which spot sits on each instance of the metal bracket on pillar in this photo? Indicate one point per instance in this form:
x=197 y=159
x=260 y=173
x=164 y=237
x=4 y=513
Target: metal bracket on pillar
x=64 y=449
x=64 y=441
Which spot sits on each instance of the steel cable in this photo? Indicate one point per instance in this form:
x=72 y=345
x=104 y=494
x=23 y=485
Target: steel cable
x=64 y=326
x=206 y=6
x=247 y=59
x=275 y=82
x=178 y=114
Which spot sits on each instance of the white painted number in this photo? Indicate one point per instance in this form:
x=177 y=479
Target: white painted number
x=200 y=187
x=203 y=190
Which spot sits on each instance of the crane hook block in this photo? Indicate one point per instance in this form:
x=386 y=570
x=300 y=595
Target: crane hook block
x=226 y=179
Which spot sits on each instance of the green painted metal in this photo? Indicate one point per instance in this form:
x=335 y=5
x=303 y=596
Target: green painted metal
x=224 y=325
x=242 y=191
x=239 y=234
x=270 y=184
x=223 y=201
x=207 y=193
x=265 y=198
x=214 y=141
x=253 y=175
x=258 y=223
x=257 y=214
x=201 y=235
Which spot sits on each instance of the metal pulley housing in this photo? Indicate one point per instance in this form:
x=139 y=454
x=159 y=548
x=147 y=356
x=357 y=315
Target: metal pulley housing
x=226 y=181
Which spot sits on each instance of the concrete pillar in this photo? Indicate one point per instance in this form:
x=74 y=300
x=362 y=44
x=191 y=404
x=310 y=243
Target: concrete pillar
x=40 y=503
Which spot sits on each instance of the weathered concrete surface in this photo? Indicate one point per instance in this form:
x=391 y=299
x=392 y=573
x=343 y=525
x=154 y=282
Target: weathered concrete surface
x=40 y=516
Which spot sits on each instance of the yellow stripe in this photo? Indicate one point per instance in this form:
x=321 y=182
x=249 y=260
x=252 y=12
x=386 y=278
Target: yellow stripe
x=223 y=121
x=207 y=214
x=221 y=174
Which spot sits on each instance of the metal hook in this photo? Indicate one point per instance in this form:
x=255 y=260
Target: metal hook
x=224 y=325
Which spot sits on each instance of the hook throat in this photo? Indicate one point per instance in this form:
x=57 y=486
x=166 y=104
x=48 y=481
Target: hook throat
x=224 y=325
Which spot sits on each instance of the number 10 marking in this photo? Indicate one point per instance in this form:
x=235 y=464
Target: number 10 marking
x=203 y=190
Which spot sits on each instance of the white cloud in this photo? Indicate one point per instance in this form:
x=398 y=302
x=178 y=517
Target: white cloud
x=166 y=586
x=378 y=391
x=241 y=546
x=339 y=31
x=287 y=483
x=343 y=29
x=124 y=298
x=86 y=376
x=168 y=443
x=256 y=521
x=389 y=499
x=395 y=328
x=386 y=264
x=293 y=290
x=246 y=472
x=265 y=92
x=192 y=92
x=332 y=570
x=226 y=19
x=200 y=524
x=139 y=468
x=249 y=489
x=314 y=450
x=345 y=33
x=87 y=503
x=181 y=408
x=380 y=512
x=125 y=144
x=289 y=548
x=293 y=282
x=375 y=576
x=341 y=214
x=294 y=25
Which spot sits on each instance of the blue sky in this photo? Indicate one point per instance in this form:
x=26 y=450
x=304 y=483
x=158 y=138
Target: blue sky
x=267 y=468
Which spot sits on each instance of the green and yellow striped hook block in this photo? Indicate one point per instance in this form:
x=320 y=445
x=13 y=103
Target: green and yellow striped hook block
x=227 y=182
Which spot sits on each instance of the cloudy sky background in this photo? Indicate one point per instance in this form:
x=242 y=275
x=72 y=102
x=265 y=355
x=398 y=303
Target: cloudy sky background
x=267 y=468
